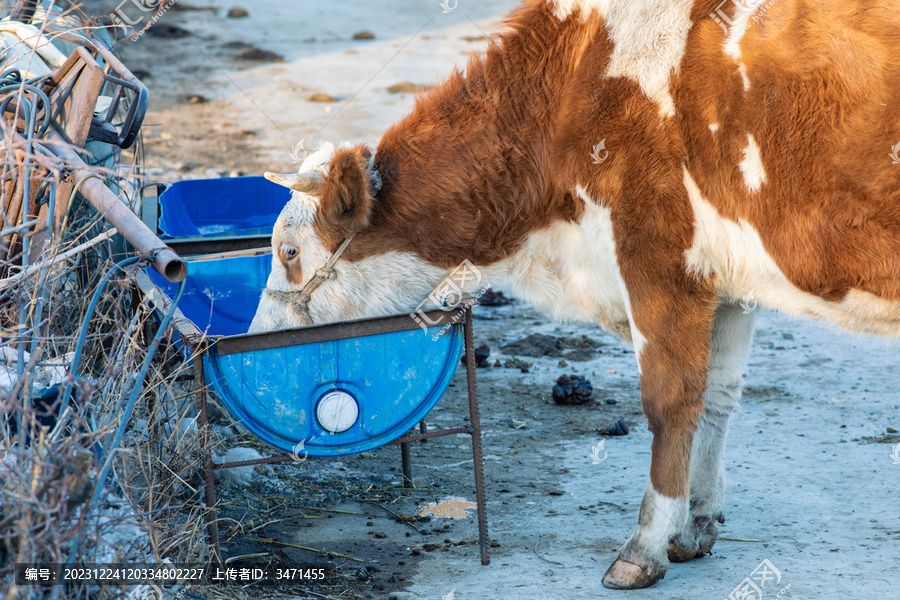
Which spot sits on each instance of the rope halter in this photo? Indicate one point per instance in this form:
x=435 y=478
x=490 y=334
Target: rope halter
x=299 y=301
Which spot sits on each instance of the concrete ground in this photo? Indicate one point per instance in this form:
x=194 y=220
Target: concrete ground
x=801 y=479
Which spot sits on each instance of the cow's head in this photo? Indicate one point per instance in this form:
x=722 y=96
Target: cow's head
x=333 y=256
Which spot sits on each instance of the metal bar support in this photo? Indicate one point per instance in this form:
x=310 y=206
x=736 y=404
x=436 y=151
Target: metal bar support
x=406 y=464
x=212 y=515
x=432 y=434
x=477 y=456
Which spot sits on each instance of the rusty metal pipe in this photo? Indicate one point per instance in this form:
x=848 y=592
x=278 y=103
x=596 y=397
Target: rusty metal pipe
x=166 y=262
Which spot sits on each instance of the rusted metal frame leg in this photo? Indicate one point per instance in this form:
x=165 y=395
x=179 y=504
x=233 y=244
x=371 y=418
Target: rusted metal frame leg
x=212 y=516
x=407 y=465
x=477 y=456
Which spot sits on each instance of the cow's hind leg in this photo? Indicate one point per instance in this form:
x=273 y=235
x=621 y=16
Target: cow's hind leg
x=730 y=348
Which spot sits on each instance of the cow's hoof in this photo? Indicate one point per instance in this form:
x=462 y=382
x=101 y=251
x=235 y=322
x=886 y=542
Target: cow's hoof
x=680 y=551
x=627 y=575
x=696 y=541
x=708 y=536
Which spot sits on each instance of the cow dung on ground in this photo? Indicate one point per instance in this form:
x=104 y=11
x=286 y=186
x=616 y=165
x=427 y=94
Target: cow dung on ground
x=537 y=345
x=620 y=427
x=482 y=354
x=515 y=363
x=572 y=390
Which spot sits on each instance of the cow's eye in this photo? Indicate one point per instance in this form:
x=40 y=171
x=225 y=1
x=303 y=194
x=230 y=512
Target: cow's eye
x=288 y=252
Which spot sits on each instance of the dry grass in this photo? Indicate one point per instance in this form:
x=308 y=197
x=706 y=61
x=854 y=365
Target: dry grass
x=51 y=451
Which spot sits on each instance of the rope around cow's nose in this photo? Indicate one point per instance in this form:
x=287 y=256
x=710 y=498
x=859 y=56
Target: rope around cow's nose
x=299 y=301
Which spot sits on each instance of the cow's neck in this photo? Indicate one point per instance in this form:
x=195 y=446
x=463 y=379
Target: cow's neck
x=467 y=175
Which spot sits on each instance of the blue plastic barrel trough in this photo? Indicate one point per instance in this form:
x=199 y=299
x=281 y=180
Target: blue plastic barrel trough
x=220 y=207
x=337 y=397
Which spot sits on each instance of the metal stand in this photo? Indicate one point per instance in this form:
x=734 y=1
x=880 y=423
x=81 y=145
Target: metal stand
x=212 y=519
x=406 y=466
x=475 y=420
x=474 y=429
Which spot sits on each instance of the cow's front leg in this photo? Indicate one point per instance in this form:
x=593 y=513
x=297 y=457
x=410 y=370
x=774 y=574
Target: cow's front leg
x=671 y=328
x=731 y=340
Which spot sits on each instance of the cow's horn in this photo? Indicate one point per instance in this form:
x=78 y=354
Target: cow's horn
x=309 y=183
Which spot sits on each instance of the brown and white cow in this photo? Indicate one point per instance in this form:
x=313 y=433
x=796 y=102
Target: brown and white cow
x=745 y=149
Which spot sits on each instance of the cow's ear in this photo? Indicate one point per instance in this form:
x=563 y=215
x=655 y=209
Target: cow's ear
x=348 y=195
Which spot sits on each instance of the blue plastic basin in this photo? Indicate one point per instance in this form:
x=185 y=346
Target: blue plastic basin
x=395 y=378
x=228 y=206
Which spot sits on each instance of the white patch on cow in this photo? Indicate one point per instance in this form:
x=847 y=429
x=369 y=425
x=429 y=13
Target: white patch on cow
x=649 y=40
x=383 y=284
x=637 y=338
x=272 y=315
x=882 y=316
x=752 y=166
x=733 y=254
x=742 y=69
x=740 y=24
x=714 y=127
x=568 y=271
x=293 y=229
x=661 y=518
x=563 y=8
